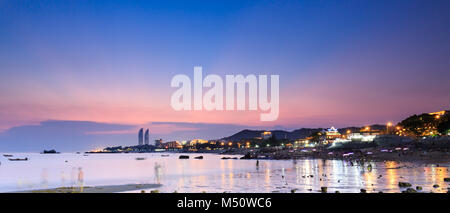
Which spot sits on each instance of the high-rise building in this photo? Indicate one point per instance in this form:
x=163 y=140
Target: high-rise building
x=141 y=136
x=158 y=143
x=146 y=137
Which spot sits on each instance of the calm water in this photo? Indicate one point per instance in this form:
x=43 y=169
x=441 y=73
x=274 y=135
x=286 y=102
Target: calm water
x=215 y=175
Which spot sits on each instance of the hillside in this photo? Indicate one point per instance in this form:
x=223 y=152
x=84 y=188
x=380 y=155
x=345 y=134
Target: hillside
x=280 y=134
x=293 y=135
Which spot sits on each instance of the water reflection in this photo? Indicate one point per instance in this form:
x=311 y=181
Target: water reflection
x=44 y=178
x=157 y=168
x=80 y=179
x=391 y=175
x=213 y=174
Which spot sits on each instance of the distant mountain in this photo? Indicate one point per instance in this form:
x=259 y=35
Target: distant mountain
x=376 y=127
x=280 y=134
x=244 y=134
x=303 y=133
x=293 y=135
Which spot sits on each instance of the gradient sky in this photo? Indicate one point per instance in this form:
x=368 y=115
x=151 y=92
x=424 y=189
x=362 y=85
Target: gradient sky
x=341 y=63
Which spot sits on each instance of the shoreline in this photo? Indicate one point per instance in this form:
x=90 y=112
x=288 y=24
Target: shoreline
x=411 y=155
x=93 y=189
x=367 y=154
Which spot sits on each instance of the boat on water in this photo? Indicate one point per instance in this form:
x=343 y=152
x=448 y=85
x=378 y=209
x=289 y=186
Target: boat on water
x=18 y=159
x=7 y=156
x=164 y=155
x=50 y=152
x=199 y=157
x=141 y=158
x=228 y=158
x=183 y=157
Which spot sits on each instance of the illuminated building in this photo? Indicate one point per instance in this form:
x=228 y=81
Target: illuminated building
x=332 y=133
x=301 y=142
x=158 y=143
x=266 y=135
x=361 y=137
x=172 y=145
x=440 y=113
x=369 y=131
x=197 y=141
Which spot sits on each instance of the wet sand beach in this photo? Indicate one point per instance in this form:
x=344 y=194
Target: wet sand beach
x=95 y=189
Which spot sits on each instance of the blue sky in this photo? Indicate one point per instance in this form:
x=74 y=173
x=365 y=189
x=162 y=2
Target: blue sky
x=342 y=63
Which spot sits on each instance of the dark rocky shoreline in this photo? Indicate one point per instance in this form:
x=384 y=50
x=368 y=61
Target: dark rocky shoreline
x=403 y=154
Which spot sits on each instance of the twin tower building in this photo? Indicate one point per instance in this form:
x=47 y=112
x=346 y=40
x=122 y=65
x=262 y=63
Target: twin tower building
x=141 y=137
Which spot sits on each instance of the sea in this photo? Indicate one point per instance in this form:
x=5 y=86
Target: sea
x=214 y=174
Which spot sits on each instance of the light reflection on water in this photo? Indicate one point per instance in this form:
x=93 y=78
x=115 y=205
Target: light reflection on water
x=215 y=175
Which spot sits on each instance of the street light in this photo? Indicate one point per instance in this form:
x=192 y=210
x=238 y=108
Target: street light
x=368 y=130
x=389 y=124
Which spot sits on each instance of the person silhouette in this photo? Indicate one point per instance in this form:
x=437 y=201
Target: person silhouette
x=63 y=178
x=369 y=167
x=80 y=179
x=157 y=173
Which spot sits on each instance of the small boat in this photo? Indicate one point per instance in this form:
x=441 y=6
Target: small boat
x=18 y=159
x=199 y=157
x=140 y=158
x=183 y=157
x=164 y=155
x=228 y=158
x=50 y=152
x=7 y=156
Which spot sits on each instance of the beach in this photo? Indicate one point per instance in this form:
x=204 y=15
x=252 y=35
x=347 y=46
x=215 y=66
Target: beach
x=95 y=189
